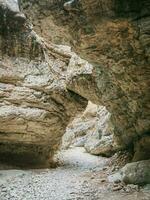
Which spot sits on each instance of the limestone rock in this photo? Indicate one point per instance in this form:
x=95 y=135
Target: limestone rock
x=103 y=147
x=10 y=10
x=80 y=142
x=35 y=106
x=78 y=130
x=112 y=35
x=118 y=49
x=133 y=173
x=137 y=172
x=91 y=130
x=100 y=141
x=70 y=5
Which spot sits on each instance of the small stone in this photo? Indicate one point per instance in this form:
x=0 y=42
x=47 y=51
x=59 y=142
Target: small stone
x=119 y=187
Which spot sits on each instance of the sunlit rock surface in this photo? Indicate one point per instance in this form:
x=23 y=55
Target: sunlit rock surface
x=91 y=130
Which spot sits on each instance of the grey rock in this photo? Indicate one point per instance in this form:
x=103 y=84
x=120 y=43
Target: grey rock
x=80 y=142
x=133 y=173
x=91 y=130
x=104 y=146
x=10 y=8
x=137 y=172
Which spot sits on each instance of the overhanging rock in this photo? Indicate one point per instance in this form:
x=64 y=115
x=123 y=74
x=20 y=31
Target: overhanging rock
x=35 y=106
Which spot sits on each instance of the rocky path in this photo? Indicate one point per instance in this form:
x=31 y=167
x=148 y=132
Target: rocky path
x=81 y=177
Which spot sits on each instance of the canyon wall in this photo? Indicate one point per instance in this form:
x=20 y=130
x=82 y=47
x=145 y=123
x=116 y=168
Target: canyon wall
x=35 y=106
x=113 y=35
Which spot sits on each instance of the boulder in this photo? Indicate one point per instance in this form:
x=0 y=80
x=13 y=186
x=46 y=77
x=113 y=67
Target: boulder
x=133 y=173
x=91 y=130
x=11 y=10
x=137 y=172
x=103 y=146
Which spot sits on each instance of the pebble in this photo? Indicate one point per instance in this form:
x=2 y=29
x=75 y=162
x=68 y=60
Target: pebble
x=63 y=183
x=119 y=187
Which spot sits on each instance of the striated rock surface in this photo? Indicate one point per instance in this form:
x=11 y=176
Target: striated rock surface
x=100 y=141
x=113 y=35
x=91 y=130
x=35 y=106
x=103 y=146
x=119 y=79
x=81 y=127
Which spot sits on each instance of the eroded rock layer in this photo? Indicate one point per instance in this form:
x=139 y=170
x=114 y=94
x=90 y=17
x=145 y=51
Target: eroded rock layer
x=35 y=106
x=92 y=130
x=113 y=35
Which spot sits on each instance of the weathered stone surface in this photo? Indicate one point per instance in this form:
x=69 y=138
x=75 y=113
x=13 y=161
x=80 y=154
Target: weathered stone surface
x=133 y=173
x=114 y=36
x=103 y=147
x=100 y=141
x=91 y=130
x=137 y=172
x=35 y=106
x=81 y=127
x=119 y=79
x=10 y=12
x=142 y=148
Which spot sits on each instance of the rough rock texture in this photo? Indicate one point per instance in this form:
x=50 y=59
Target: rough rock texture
x=103 y=146
x=100 y=141
x=114 y=36
x=81 y=127
x=137 y=172
x=35 y=106
x=133 y=173
x=91 y=130
x=141 y=148
x=120 y=77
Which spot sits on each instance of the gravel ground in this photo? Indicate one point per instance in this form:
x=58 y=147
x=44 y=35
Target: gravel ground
x=81 y=177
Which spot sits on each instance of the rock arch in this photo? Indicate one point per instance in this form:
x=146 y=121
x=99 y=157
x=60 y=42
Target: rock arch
x=44 y=85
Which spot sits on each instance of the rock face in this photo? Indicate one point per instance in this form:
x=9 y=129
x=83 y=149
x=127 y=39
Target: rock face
x=81 y=127
x=113 y=35
x=91 y=130
x=141 y=148
x=120 y=76
x=100 y=141
x=35 y=106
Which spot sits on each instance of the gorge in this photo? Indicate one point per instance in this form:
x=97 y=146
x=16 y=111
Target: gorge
x=55 y=57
